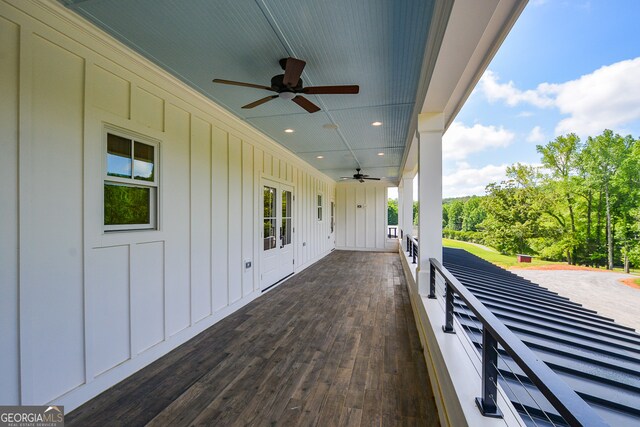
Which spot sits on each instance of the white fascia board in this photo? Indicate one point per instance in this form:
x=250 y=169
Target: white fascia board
x=464 y=46
x=473 y=35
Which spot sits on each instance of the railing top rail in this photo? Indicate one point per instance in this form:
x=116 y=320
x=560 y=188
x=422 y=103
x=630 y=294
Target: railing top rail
x=563 y=398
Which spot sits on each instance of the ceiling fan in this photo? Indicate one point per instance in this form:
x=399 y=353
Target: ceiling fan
x=289 y=84
x=359 y=177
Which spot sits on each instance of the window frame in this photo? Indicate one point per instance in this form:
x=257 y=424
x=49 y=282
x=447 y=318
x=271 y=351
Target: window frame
x=154 y=186
x=319 y=206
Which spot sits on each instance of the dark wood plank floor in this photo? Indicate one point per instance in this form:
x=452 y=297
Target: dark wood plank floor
x=334 y=345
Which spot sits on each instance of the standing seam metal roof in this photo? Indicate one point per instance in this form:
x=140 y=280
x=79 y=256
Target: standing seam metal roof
x=597 y=357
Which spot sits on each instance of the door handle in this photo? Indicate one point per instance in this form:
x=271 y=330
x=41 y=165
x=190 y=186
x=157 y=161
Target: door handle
x=281 y=238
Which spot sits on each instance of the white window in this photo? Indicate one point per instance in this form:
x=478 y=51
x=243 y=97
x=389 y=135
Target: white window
x=319 y=207
x=130 y=183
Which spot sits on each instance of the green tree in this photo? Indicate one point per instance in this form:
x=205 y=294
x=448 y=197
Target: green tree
x=627 y=184
x=392 y=211
x=603 y=156
x=560 y=157
x=472 y=214
x=445 y=216
x=513 y=211
x=454 y=215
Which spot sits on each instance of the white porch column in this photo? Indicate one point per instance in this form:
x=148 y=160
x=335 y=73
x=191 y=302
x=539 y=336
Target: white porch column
x=430 y=128
x=407 y=205
x=400 y=224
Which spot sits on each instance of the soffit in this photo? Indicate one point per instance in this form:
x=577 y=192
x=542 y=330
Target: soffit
x=378 y=44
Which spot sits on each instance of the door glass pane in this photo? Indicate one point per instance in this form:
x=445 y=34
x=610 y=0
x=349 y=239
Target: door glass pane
x=269 y=231
x=269 y=202
x=143 y=162
x=118 y=156
x=332 y=215
x=269 y=234
x=286 y=217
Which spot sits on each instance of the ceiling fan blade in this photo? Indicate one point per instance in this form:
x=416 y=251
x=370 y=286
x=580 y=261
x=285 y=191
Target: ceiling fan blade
x=260 y=101
x=374 y=179
x=231 y=82
x=293 y=71
x=331 y=90
x=306 y=104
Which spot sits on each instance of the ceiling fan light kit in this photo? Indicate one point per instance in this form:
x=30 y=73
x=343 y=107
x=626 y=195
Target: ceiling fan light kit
x=289 y=85
x=287 y=95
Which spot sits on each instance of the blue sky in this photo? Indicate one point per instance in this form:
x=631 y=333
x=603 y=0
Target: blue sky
x=566 y=66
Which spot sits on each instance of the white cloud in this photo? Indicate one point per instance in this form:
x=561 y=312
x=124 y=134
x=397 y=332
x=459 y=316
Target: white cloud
x=541 y=97
x=525 y=114
x=459 y=141
x=467 y=181
x=604 y=99
x=536 y=135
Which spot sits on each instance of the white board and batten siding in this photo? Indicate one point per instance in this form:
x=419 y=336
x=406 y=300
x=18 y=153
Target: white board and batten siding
x=82 y=309
x=361 y=217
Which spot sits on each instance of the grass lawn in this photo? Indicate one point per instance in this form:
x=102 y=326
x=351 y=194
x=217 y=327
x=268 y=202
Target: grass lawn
x=504 y=261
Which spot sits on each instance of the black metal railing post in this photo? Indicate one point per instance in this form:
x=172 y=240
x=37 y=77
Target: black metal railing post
x=448 y=308
x=432 y=282
x=415 y=251
x=408 y=243
x=487 y=403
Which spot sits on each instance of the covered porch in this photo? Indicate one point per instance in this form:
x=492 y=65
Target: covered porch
x=334 y=345
x=180 y=314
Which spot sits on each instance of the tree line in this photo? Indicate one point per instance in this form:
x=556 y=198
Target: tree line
x=582 y=205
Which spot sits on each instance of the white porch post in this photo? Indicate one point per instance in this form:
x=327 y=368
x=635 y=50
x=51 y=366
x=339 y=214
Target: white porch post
x=400 y=224
x=407 y=205
x=430 y=128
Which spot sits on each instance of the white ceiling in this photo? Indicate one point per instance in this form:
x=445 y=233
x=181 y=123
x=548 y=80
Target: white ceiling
x=377 y=44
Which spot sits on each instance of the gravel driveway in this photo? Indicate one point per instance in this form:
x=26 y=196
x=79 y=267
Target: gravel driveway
x=600 y=291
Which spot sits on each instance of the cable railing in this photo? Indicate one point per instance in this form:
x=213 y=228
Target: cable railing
x=573 y=409
x=412 y=248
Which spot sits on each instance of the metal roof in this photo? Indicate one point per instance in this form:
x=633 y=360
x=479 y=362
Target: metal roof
x=594 y=355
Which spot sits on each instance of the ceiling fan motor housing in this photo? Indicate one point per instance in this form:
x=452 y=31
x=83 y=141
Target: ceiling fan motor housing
x=278 y=85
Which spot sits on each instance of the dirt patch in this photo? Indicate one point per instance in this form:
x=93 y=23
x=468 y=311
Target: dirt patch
x=631 y=282
x=553 y=267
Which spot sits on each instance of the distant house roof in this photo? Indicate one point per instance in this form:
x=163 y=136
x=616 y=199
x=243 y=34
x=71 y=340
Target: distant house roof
x=598 y=358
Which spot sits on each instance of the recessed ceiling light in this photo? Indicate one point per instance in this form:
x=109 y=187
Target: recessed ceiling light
x=289 y=130
x=380 y=154
x=376 y=124
x=330 y=126
x=319 y=157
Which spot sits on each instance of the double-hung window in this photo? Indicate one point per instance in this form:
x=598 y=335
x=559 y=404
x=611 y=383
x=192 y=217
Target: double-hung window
x=319 y=206
x=130 y=183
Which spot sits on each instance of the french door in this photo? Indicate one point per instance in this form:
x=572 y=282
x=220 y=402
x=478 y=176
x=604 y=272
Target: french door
x=277 y=233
